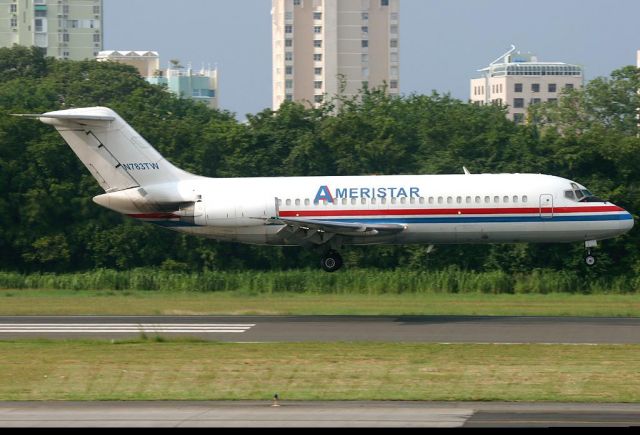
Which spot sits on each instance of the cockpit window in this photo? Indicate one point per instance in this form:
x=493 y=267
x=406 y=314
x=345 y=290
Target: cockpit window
x=580 y=195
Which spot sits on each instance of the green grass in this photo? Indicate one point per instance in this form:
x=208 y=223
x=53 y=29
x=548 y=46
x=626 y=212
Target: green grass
x=312 y=281
x=183 y=370
x=64 y=302
x=353 y=292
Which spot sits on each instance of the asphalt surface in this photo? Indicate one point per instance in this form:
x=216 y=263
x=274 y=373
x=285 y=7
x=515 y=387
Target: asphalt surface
x=431 y=329
x=426 y=329
x=315 y=414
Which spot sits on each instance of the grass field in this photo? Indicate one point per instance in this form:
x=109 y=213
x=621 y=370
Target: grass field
x=180 y=370
x=61 y=302
x=353 y=281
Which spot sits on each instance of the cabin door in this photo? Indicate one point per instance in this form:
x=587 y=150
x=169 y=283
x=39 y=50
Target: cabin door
x=546 y=206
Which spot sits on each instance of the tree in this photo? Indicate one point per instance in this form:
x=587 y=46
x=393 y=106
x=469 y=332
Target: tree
x=48 y=221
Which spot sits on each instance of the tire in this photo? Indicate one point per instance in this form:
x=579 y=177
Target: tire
x=332 y=262
x=590 y=260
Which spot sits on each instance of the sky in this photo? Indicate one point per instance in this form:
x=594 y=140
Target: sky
x=442 y=42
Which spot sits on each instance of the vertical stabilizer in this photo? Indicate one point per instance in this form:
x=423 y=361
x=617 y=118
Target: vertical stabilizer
x=115 y=154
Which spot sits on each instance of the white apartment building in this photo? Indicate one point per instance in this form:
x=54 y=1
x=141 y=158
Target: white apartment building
x=519 y=80
x=65 y=29
x=146 y=62
x=199 y=85
x=327 y=47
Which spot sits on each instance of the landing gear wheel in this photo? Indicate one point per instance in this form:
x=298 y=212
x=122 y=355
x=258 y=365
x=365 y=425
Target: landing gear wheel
x=331 y=262
x=590 y=260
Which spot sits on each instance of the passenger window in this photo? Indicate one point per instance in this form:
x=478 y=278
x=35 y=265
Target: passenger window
x=525 y=198
x=469 y=200
x=431 y=200
x=506 y=199
x=403 y=201
x=394 y=201
x=279 y=202
x=307 y=202
x=344 y=201
x=449 y=200
x=440 y=200
x=373 y=201
x=383 y=201
x=297 y=202
x=515 y=199
x=496 y=199
x=487 y=199
x=363 y=201
x=354 y=201
x=478 y=200
x=459 y=200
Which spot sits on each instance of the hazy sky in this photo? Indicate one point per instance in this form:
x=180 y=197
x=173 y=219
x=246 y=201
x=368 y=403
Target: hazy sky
x=442 y=42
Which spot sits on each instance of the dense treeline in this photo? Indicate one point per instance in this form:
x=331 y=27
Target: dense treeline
x=49 y=223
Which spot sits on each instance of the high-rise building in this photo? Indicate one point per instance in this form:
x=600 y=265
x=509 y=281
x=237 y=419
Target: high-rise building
x=330 y=47
x=66 y=29
x=519 y=80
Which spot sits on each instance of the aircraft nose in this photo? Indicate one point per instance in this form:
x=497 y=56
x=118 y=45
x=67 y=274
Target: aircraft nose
x=627 y=221
x=630 y=222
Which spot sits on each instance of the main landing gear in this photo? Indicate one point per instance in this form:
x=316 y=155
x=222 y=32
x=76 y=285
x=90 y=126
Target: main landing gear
x=331 y=261
x=590 y=259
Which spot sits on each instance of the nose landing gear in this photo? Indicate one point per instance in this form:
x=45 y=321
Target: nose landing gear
x=590 y=259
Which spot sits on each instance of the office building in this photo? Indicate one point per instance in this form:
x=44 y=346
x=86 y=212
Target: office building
x=519 y=80
x=65 y=29
x=201 y=85
x=328 y=47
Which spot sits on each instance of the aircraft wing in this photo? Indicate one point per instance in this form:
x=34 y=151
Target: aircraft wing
x=340 y=228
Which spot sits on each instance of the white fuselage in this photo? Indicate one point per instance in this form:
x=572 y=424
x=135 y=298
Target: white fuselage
x=329 y=212
x=434 y=209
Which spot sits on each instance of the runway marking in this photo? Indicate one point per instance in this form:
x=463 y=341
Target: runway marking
x=95 y=328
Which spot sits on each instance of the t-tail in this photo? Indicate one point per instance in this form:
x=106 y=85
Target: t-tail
x=135 y=177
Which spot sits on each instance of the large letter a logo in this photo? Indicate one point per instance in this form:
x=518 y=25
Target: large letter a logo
x=324 y=194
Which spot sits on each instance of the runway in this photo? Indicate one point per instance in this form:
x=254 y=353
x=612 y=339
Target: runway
x=251 y=329
x=315 y=414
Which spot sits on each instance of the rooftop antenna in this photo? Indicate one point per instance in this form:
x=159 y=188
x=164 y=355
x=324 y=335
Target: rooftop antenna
x=513 y=48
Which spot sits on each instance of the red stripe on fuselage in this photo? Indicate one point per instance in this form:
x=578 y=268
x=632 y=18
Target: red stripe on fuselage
x=441 y=212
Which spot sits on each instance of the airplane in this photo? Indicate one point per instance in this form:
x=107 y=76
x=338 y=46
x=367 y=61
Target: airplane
x=329 y=213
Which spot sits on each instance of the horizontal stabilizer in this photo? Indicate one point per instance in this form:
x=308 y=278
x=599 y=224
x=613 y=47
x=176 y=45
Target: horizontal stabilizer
x=67 y=117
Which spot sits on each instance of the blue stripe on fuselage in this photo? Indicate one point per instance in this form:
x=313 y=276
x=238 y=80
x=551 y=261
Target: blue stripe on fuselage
x=489 y=219
x=448 y=220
